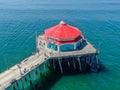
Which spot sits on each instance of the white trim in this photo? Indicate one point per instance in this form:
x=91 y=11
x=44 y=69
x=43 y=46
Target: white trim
x=58 y=46
x=74 y=46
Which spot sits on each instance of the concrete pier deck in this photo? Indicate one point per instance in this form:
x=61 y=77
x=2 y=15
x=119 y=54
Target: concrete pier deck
x=86 y=48
x=43 y=53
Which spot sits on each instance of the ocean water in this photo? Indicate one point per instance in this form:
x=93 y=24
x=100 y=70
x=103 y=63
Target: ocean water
x=99 y=20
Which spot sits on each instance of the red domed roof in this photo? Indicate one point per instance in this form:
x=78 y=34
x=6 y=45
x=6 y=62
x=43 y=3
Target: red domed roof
x=62 y=32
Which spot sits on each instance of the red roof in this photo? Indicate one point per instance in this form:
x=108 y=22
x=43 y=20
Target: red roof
x=62 y=32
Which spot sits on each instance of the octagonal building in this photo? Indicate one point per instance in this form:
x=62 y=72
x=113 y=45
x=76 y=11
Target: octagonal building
x=63 y=37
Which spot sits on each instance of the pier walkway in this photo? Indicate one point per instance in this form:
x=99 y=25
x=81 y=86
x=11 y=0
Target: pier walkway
x=19 y=70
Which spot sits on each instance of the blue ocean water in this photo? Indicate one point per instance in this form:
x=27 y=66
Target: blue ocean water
x=99 y=20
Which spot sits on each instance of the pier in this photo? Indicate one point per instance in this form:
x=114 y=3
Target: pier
x=84 y=57
x=86 y=54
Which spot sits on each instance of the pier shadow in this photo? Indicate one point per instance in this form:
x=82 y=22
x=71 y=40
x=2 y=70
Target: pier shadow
x=102 y=67
x=85 y=69
x=54 y=77
x=48 y=82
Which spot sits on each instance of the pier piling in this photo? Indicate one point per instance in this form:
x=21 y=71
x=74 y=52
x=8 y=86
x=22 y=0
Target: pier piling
x=60 y=65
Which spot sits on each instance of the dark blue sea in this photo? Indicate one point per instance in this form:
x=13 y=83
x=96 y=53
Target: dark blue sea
x=99 y=20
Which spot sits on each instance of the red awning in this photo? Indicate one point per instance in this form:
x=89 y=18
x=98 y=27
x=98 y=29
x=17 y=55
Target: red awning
x=62 y=32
